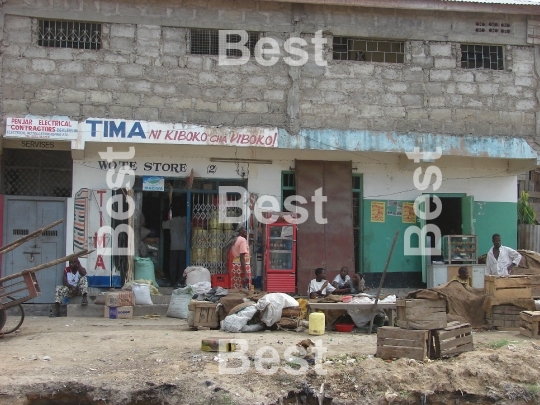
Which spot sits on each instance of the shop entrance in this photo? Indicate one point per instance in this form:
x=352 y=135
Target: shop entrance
x=456 y=218
x=205 y=235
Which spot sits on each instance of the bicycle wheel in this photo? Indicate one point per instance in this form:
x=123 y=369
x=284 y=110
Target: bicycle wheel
x=13 y=318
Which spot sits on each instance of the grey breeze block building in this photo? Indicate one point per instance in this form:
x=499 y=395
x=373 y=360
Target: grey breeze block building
x=462 y=76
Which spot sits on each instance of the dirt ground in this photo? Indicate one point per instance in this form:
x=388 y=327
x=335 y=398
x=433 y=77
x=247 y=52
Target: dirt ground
x=159 y=361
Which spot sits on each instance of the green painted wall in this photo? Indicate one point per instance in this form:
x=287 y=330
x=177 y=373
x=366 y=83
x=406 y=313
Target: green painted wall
x=491 y=217
x=377 y=241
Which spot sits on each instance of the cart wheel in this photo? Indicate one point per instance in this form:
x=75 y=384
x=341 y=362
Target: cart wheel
x=12 y=318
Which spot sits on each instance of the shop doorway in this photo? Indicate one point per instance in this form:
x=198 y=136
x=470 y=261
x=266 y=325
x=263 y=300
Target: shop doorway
x=456 y=218
x=205 y=235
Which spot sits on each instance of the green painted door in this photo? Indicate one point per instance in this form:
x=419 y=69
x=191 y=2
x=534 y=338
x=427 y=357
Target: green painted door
x=467 y=217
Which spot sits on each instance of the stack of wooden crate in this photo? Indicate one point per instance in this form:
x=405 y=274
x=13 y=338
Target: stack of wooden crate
x=423 y=332
x=507 y=317
x=530 y=324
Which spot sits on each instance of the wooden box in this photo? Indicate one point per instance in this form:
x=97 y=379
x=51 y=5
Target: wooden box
x=119 y=298
x=508 y=287
x=535 y=285
x=205 y=314
x=395 y=342
x=530 y=324
x=505 y=317
x=454 y=339
x=421 y=314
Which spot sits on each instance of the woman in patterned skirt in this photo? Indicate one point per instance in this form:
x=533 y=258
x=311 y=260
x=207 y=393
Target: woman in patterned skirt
x=238 y=259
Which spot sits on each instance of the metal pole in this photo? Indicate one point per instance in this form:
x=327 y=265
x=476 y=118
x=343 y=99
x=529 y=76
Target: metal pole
x=382 y=281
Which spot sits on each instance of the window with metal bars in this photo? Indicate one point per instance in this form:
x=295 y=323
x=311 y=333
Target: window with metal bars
x=368 y=50
x=206 y=42
x=37 y=173
x=482 y=57
x=69 y=34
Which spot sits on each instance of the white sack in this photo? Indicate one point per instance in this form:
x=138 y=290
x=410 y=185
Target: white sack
x=235 y=322
x=201 y=287
x=142 y=294
x=196 y=274
x=178 y=306
x=271 y=307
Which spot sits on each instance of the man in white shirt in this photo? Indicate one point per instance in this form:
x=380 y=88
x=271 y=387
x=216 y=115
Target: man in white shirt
x=319 y=286
x=342 y=282
x=501 y=259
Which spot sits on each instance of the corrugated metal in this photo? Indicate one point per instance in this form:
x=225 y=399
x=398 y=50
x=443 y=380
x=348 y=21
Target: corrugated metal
x=529 y=237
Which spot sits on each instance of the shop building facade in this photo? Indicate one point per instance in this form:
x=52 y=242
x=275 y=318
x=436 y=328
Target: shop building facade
x=463 y=79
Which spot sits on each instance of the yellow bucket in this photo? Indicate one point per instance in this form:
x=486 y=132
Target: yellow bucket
x=198 y=236
x=214 y=255
x=316 y=323
x=198 y=255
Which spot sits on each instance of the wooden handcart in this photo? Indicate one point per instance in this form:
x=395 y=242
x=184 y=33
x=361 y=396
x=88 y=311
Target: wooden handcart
x=23 y=285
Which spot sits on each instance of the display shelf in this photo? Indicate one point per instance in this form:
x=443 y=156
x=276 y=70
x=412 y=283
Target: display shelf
x=460 y=249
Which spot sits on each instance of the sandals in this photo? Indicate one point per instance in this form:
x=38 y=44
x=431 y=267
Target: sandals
x=84 y=302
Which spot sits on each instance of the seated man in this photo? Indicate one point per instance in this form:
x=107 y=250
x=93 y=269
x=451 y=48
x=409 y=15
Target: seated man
x=463 y=277
x=319 y=287
x=358 y=284
x=342 y=282
x=74 y=283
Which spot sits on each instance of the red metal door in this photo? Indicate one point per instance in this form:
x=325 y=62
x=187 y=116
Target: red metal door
x=329 y=245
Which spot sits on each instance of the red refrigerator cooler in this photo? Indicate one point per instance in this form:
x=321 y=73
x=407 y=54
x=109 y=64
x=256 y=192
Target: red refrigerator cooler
x=280 y=257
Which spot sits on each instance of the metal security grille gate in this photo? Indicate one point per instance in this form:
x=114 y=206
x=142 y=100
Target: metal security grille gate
x=208 y=236
x=37 y=173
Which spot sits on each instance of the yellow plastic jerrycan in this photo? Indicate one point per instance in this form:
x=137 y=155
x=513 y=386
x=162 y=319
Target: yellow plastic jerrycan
x=316 y=323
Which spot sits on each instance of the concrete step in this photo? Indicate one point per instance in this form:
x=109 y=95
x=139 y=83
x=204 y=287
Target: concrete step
x=93 y=310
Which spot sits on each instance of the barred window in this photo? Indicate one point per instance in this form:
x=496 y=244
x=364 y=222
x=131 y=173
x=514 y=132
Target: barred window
x=37 y=173
x=482 y=57
x=368 y=50
x=69 y=34
x=206 y=42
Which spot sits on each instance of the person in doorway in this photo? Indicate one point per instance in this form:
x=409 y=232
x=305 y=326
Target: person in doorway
x=358 y=284
x=463 y=277
x=237 y=253
x=501 y=259
x=342 y=282
x=74 y=283
x=319 y=287
x=177 y=255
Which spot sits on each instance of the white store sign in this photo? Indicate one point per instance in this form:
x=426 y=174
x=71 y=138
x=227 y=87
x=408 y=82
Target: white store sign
x=42 y=128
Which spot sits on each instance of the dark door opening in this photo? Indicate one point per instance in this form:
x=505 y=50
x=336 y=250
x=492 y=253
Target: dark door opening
x=449 y=220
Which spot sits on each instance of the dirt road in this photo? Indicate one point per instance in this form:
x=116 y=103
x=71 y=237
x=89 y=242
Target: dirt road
x=159 y=361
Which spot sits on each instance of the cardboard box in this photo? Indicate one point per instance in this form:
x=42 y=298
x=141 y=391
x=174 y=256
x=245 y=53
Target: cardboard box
x=218 y=345
x=118 y=312
x=119 y=299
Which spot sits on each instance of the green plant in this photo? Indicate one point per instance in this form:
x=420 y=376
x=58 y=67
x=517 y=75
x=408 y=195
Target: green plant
x=498 y=344
x=533 y=389
x=526 y=214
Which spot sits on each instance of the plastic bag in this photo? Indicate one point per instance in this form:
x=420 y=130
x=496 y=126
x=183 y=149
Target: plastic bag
x=202 y=287
x=178 y=306
x=235 y=322
x=252 y=328
x=271 y=306
x=142 y=294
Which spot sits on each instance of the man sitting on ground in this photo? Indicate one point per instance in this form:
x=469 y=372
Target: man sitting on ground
x=342 y=282
x=463 y=277
x=319 y=287
x=74 y=283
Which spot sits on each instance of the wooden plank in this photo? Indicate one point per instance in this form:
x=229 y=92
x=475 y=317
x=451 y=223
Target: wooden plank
x=399 y=342
x=456 y=325
x=453 y=333
x=391 y=332
x=525 y=332
x=461 y=349
x=400 y=352
x=414 y=303
x=447 y=344
x=530 y=315
x=511 y=293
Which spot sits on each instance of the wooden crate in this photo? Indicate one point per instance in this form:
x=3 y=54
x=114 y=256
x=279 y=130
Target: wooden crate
x=530 y=324
x=508 y=287
x=505 y=317
x=535 y=285
x=395 y=342
x=454 y=339
x=421 y=314
x=205 y=314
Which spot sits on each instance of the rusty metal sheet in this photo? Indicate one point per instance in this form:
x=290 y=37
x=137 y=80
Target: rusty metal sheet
x=329 y=245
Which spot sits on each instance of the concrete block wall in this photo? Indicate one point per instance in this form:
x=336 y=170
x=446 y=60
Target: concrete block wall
x=145 y=71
